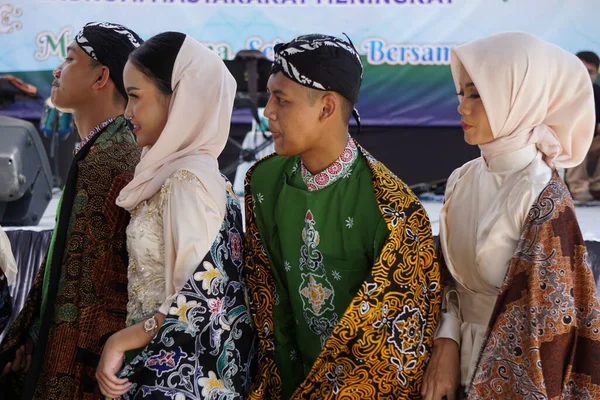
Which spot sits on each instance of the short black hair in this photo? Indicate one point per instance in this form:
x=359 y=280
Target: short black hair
x=117 y=96
x=589 y=57
x=156 y=58
x=346 y=107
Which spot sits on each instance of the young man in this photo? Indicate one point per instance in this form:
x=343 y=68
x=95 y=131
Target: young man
x=343 y=278
x=582 y=186
x=79 y=297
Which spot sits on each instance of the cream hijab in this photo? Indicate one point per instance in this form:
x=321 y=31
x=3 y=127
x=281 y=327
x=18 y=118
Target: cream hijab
x=7 y=260
x=196 y=131
x=534 y=93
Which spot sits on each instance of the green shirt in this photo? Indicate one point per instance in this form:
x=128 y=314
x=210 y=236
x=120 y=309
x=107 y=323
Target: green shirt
x=322 y=245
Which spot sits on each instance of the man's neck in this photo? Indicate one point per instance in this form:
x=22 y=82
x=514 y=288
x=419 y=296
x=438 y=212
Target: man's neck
x=88 y=118
x=321 y=157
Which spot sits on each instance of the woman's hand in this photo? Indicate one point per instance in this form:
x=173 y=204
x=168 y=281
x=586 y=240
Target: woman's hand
x=22 y=360
x=442 y=377
x=110 y=363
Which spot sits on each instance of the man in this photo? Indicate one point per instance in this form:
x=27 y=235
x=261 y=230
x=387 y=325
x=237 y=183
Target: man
x=342 y=274
x=79 y=297
x=582 y=186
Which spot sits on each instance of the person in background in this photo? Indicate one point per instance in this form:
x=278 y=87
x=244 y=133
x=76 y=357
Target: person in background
x=79 y=297
x=584 y=187
x=341 y=266
x=189 y=334
x=520 y=318
x=8 y=274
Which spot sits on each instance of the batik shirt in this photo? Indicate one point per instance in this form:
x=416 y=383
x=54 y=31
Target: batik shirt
x=325 y=233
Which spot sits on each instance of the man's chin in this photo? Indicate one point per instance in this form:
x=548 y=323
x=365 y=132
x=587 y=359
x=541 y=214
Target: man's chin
x=62 y=108
x=286 y=153
x=59 y=104
x=282 y=151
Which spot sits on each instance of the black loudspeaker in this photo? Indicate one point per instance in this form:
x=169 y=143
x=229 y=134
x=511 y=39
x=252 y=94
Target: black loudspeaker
x=25 y=175
x=251 y=70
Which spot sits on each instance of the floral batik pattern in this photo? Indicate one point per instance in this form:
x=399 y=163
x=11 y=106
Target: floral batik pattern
x=316 y=292
x=205 y=347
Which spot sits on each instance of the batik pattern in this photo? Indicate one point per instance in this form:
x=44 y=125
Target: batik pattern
x=91 y=298
x=316 y=292
x=119 y=29
x=543 y=341
x=380 y=346
x=206 y=345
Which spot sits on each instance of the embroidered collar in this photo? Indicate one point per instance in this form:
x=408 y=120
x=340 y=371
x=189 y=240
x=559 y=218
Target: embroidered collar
x=340 y=168
x=93 y=133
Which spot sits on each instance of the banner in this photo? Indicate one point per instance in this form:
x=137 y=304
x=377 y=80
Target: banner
x=405 y=44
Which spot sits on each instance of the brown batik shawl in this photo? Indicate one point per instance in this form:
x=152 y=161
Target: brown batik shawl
x=543 y=341
x=87 y=291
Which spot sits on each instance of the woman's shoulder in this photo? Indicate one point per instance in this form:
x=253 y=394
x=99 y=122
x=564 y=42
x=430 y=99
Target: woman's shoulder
x=536 y=177
x=461 y=172
x=183 y=176
x=468 y=166
x=187 y=188
x=187 y=178
x=181 y=184
x=538 y=173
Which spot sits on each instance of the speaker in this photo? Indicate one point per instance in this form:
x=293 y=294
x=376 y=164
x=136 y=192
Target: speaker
x=25 y=175
x=251 y=70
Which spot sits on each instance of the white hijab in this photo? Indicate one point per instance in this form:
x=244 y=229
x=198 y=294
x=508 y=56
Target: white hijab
x=7 y=260
x=196 y=131
x=533 y=92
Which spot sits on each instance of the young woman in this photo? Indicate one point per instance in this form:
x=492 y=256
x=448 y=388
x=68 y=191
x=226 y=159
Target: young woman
x=521 y=317
x=188 y=324
x=8 y=273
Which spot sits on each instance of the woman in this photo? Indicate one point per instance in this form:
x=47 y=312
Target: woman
x=8 y=274
x=187 y=307
x=521 y=318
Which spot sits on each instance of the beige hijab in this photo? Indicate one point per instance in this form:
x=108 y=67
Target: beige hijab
x=533 y=92
x=8 y=264
x=196 y=131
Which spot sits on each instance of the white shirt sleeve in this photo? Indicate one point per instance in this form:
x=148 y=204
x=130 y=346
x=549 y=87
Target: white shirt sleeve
x=450 y=320
x=192 y=219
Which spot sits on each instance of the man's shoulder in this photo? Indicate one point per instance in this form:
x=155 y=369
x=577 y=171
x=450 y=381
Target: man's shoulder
x=115 y=147
x=116 y=135
x=271 y=167
x=116 y=142
x=382 y=175
x=391 y=192
x=596 y=88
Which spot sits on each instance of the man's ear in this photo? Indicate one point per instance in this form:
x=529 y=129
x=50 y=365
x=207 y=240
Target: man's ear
x=329 y=105
x=103 y=75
